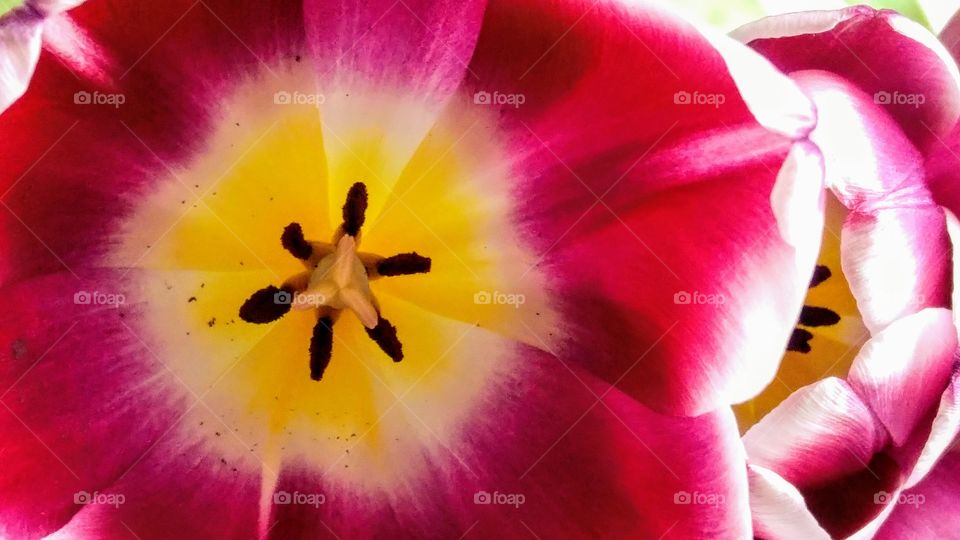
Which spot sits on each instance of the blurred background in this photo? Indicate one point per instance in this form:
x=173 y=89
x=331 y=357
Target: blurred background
x=729 y=14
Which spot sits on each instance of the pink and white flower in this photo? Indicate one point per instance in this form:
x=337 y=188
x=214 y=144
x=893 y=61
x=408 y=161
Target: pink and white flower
x=854 y=433
x=579 y=175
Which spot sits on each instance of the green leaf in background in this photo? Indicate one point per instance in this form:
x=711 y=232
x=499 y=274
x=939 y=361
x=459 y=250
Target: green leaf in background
x=7 y=5
x=729 y=14
x=724 y=14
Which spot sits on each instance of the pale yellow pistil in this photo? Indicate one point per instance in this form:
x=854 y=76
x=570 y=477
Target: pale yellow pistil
x=339 y=282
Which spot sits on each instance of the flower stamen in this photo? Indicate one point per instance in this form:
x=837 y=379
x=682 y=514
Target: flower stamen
x=337 y=278
x=294 y=242
x=321 y=347
x=266 y=305
x=812 y=316
x=404 y=264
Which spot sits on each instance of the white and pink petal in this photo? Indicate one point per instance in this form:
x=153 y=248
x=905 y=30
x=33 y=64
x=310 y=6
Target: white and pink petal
x=674 y=173
x=896 y=61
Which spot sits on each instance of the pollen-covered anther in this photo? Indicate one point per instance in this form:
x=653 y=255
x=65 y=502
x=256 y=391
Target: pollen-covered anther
x=267 y=305
x=404 y=264
x=812 y=316
x=294 y=242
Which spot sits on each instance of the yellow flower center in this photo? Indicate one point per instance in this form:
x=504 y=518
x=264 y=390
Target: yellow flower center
x=827 y=348
x=207 y=237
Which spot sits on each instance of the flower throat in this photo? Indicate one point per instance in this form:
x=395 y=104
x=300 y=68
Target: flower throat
x=337 y=278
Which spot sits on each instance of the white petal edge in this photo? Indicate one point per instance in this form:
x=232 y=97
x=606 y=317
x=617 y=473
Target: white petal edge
x=798 y=200
x=19 y=53
x=915 y=31
x=795 y=24
x=779 y=510
x=774 y=100
x=822 y=423
x=893 y=370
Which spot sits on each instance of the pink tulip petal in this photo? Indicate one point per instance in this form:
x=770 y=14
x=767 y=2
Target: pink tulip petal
x=950 y=35
x=942 y=164
x=75 y=384
x=929 y=509
x=824 y=440
x=897 y=262
x=894 y=228
x=19 y=50
x=944 y=430
x=946 y=423
x=902 y=371
x=84 y=160
x=882 y=52
x=680 y=192
x=778 y=509
x=584 y=468
x=685 y=348
x=184 y=486
x=415 y=51
x=820 y=432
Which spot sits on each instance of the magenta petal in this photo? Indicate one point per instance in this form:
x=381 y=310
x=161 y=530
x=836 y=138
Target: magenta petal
x=778 y=508
x=585 y=469
x=825 y=440
x=895 y=251
x=81 y=399
x=184 y=486
x=950 y=35
x=943 y=431
x=418 y=46
x=870 y=162
x=634 y=199
x=929 y=509
x=820 y=432
x=943 y=162
x=889 y=57
x=902 y=371
x=85 y=161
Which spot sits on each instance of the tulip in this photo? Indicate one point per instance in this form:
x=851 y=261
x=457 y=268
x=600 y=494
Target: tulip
x=394 y=269
x=865 y=403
